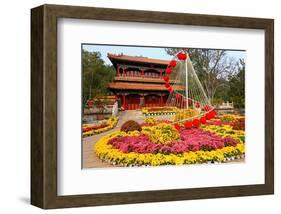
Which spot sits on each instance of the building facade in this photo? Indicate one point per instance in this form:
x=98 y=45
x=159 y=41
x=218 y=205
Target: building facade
x=139 y=81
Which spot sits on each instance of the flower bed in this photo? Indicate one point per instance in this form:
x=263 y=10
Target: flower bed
x=152 y=121
x=183 y=114
x=192 y=140
x=108 y=153
x=236 y=122
x=229 y=117
x=154 y=111
x=162 y=144
x=93 y=129
x=161 y=134
x=226 y=131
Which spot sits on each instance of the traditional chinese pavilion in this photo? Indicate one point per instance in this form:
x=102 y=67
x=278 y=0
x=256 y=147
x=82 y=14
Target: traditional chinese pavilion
x=139 y=81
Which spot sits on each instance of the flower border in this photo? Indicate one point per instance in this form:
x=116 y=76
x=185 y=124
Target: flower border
x=112 y=122
x=147 y=113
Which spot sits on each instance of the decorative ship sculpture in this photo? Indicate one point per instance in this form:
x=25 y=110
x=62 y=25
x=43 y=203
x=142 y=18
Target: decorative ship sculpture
x=190 y=98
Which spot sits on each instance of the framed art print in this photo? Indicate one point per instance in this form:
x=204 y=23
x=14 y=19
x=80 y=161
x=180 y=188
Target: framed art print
x=140 y=106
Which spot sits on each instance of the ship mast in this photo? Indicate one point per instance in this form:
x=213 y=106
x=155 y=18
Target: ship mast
x=186 y=82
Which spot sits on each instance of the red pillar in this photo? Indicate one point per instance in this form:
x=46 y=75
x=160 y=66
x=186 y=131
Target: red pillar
x=118 y=71
x=124 y=101
x=161 y=100
x=142 y=73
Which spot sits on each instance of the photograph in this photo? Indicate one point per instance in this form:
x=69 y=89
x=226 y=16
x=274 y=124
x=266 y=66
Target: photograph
x=159 y=106
x=136 y=106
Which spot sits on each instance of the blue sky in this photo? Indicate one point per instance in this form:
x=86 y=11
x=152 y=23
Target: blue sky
x=151 y=52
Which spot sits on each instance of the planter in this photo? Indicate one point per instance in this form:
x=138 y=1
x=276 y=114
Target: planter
x=100 y=117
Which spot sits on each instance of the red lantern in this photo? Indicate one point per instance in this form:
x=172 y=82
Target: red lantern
x=196 y=123
x=179 y=55
x=213 y=113
x=210 y=115
x=188 y=125
x=197 y=105
x=203 y=120
x=173 y=63
x=177 y=126
x=166 y=78
x=168 y=70
x=171 y=90
x=167 y=85
x=182 y=56
x=207 y=108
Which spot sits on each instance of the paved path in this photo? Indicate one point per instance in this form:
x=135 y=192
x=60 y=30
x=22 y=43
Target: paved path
x=90 y=159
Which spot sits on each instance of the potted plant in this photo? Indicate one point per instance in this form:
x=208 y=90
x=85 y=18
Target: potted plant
x=101 y=107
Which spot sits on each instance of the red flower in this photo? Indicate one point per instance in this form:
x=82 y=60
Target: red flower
x=173 y=63
x=197 y=105
x=167 y=85
x=203 y=120
x=168 y=70
x=196 y=122
x=177 y=126
x=166 y=78
x=182 y=56
x=208 y=116
x=171 y=90
x=188 y=125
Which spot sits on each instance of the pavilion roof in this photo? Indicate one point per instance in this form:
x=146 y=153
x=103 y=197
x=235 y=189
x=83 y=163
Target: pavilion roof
x=141 y=86
x=142 y=79
x=139 y=59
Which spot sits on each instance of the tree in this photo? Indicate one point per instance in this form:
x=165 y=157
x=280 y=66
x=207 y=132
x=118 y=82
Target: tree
x=95 y=75
x=212 y=67
x=236 y=92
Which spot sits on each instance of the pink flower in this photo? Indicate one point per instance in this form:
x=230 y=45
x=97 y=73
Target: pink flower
x=193 y=139
x=229 y=141
x=124 y=148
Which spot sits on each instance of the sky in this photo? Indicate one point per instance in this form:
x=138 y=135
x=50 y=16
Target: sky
x=151 y=52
